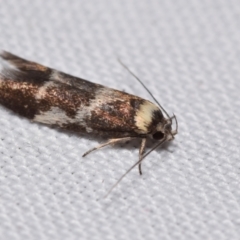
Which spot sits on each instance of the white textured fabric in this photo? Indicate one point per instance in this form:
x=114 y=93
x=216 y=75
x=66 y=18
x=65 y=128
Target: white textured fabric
x=188 y=54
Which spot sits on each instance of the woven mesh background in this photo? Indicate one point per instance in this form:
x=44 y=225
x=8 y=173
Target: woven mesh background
x=187 y=53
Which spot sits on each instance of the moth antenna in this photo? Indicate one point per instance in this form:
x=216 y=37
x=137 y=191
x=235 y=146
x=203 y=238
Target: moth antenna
x=176 y=123
x=134 y=165
x=143 y=86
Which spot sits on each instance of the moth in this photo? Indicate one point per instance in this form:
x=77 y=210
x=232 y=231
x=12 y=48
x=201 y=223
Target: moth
x=45 y=95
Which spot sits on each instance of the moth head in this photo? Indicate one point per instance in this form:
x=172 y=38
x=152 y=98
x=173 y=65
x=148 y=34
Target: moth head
x=163 y=130
x=150 y=121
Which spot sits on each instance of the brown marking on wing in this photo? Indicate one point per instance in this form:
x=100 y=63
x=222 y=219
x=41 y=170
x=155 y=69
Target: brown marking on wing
x=67 y=98
x=116 y=115
x=19 y=97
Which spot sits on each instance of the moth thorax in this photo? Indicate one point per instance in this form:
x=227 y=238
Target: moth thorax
x=147 y=117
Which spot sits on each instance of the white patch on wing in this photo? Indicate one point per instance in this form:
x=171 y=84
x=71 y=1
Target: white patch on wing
x=55 y=75
x=54 y=116
x=102 y=95
x=88 y=129
x=57 y=116
x=94 y=104
x=107 y=94
x=42 y=90
x=143 y=117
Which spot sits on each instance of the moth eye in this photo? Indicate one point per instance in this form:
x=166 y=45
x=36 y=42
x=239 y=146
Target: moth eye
x=158 y=135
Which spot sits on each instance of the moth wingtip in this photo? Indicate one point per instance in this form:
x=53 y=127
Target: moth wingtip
x=2 y=53
x=2 y=58
x=5 y=61
x=5 y=54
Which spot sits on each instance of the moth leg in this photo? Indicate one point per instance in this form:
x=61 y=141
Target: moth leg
x=109 y=142
x=141 y=152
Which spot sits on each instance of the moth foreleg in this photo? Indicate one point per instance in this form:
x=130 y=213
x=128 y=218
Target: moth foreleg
x=141 y=152
x=109 y=142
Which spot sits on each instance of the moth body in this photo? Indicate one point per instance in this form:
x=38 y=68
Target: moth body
x=54 y=98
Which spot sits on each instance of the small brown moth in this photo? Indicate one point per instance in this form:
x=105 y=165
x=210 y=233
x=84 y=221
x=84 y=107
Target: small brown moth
x=55 y=98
